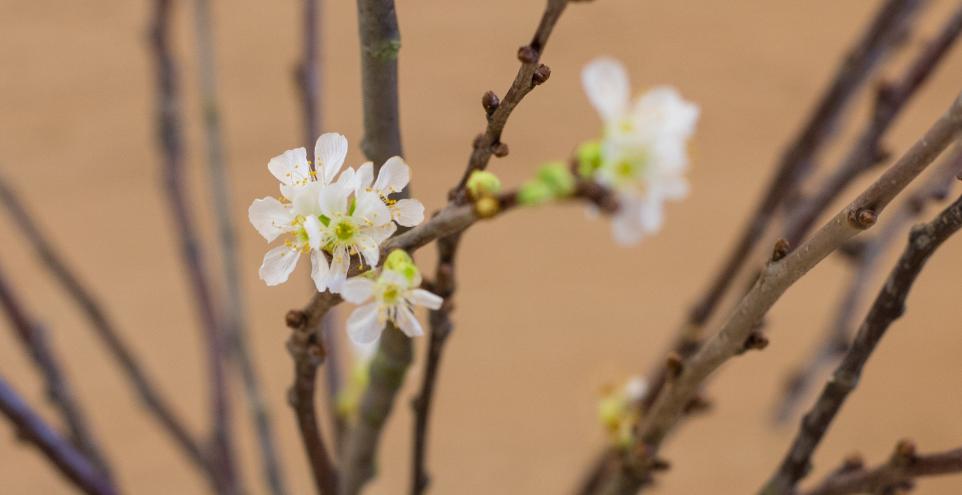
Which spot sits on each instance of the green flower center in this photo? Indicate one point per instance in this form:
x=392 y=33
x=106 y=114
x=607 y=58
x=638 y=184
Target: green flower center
x=345 y=231
x=391 y=294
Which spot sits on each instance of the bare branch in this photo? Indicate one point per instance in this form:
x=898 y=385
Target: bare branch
x=773 y=281
x=234 y=311
x=71 y=462
x=889 y=305
x=34 y=340
x=903 y=467
x=888 y=27
x=104 y=328
x=171 y=141
x=838 y=335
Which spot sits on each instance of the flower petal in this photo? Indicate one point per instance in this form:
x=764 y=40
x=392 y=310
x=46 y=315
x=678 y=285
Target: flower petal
x=421 y=297
x=320 y=272
x=356 y=290
x=340 y=262
x=408 y=212
x=270 y=217
x=290 y=167
x=315 y=232
x=371 y=209
x=329 y=153
x=393 y=176
x=380 y=233
x=364 y=326
x=332 y=200
x=306 y=199
x=369 y=249
x=278 y=265
x=626 y=225
x=605 y=81
x=408 y=323
x=365 y=176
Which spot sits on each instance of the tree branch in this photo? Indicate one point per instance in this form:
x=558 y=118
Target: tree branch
x=774 y=280
x=33 y=337
x=838 y=335
x=171 y=141
x=104 y=328
x=71 y=462
x=899 y=472
x=889 y=305
x=888 y=27
x=234 y=311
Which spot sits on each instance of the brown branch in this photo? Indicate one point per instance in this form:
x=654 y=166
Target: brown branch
x=103 y=327
x=890 y=99
x=233 y=317
x=838 y=334
x=307 y=349
x=71 y=462
x=440 y=328
x=33 y=337
x=888 y=27
x=171 y=141
x=773 y=281
x=903 y=467
x=531 y=73
x=889 y=305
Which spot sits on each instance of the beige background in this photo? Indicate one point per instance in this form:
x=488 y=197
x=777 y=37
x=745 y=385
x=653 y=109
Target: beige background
x=550 y=308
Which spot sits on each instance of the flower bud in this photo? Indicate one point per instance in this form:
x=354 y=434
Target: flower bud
x=400 y=261
x=534 y=193
x=482 y=183
x=487 y=207
x=557 y=178
x=589 y=158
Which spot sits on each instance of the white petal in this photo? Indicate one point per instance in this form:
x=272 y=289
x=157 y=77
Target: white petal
x=421 y=297
x=332 y=200
x=626 y=226
x=363 y=326
x=270 y=217
x=356 y=290
x=664 y=109
x=652 y=214
x=393 y=176
x=278 y=265
x=408 y=323
x=320 y=273
x=369 y=249
x=290 y=167
x=340 y=262
x=365 y=176
x=606 y=84
x=315 y=231
x=305 y=199
x=408 y=212
x=371 y=209
x=329 y=153
x=380 y=233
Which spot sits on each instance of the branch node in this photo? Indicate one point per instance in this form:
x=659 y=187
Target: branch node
x=295 y=319
x=862 y=218
x=541 y=74
x=490 y=102
x=674 y=364
x=781 y=249
x=905 y=453
x=527 y=54
x=755 y=341
x=500 y=150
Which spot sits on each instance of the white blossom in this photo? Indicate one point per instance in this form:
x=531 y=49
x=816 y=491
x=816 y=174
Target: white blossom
x=643 y=154
x=393 y=177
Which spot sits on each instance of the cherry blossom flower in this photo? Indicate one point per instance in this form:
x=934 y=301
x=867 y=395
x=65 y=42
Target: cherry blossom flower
x=393 y=177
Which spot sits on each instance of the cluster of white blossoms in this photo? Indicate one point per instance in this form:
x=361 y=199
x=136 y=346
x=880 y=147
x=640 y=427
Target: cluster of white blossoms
x=326 y=215
x=334 y=215
x=642 y=155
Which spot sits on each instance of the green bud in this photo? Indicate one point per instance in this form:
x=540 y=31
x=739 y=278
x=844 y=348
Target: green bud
x=589 y=158
x=534 y=193
x=483 y=183
x=400 y=261
x=558 y=178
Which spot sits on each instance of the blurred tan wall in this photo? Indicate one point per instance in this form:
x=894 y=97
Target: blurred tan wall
x=549 y=307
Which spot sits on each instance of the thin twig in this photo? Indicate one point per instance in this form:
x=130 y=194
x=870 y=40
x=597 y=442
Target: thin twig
x=71 y=462
x=890 y=99
x=902 y=468
x=838 y=334
x=888 y=28
x=33 y=337
x=104 y=328
x=307 y=349
x=234 y=310
x=531 y=73
x=889 y=305
x=777 y=276
x=171 y=141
